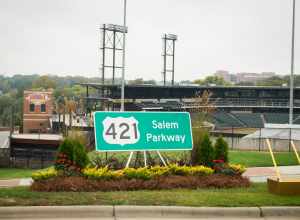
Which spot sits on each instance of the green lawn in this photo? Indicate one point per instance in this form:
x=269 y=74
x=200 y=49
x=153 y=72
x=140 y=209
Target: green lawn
x=261 y=159
x=256 y=195
x=11 y=173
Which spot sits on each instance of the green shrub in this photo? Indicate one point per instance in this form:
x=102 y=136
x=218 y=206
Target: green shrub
x=66 y=147
x=44 y=174
x=206 y=152
x=72 y=158
x=80 y=156
x=221 y=150
x=198 y=134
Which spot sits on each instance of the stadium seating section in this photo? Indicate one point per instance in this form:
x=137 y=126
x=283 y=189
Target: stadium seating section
x=250 y=120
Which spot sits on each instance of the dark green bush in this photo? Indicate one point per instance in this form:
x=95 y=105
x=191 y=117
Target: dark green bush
x=206 y=152
x=198 y=134
x=80 y=156
x=72 y=158
x=221 y=150
x=66 y=147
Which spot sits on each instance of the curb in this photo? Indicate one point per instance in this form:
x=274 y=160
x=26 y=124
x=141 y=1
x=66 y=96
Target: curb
x=185 y=212
x=282 y=211
x=160 y=212
x=37 y=212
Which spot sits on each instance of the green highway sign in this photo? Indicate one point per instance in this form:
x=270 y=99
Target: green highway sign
x=142 y=131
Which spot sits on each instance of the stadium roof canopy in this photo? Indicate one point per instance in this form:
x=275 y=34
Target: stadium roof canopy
x=277 y=131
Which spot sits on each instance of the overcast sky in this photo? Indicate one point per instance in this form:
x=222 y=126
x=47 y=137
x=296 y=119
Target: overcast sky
x=62 y=36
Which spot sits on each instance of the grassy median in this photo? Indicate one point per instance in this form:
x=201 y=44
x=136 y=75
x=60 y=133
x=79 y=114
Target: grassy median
x=13 y=173
x=262 y=159
x=256 y=195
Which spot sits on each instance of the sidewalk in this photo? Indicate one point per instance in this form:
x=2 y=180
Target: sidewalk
x=15 y=182
x=261 y=174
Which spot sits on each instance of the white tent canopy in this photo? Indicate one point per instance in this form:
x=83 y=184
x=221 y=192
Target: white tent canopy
x=277 y=131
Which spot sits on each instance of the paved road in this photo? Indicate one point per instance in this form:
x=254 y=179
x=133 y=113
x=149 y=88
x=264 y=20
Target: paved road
x=260 y=174
x=139 y=218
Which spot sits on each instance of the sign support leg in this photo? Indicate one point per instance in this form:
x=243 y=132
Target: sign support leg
x=295 y=150
x=161 y=158
x=129 y=159
x=273 y=159
x=145 y=159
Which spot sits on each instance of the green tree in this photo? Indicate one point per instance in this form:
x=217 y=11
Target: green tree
x=205 y=154
x=272 y=81
x=221 y=149
x=44 y=82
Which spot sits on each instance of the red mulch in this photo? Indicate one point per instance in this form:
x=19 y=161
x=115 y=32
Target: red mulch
x=79 y=184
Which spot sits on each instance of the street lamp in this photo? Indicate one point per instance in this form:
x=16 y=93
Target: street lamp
x=123 y=58
x=292 y=66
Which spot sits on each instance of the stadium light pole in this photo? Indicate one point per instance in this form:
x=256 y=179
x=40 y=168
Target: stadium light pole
x=292 y=66
x=123 y=57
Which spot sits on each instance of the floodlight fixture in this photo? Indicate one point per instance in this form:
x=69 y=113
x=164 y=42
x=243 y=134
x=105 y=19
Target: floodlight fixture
x=170 y=36
x=117 y=28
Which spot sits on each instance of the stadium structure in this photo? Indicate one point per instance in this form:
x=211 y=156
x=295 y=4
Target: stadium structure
x=236 y=106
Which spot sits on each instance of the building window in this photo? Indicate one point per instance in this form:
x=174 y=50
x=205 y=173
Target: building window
x=43 y=107
x=31 y=107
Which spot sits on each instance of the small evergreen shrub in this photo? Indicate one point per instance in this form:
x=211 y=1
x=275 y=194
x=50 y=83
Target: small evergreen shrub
x=221 y=150
x=198 y=134
x=206 y=152
x=80 y=156
x=72 y=158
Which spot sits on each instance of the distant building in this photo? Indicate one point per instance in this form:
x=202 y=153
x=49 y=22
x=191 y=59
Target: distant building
x=224 y=74
x=228 y=77
x=243 y=77
x=253 y=77
x=37 y=110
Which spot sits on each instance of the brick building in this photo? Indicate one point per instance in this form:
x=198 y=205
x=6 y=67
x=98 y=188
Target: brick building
x=37 y=110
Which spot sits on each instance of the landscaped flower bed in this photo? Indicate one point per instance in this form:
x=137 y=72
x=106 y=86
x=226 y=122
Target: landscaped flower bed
x=103 y=179
x=73 y=172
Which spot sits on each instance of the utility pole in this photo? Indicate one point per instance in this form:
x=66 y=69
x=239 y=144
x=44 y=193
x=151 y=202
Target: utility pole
x=123 y=58
x=292 y=66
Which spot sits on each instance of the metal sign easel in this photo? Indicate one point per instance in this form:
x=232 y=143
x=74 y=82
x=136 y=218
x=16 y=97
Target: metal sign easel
x=145 y=158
